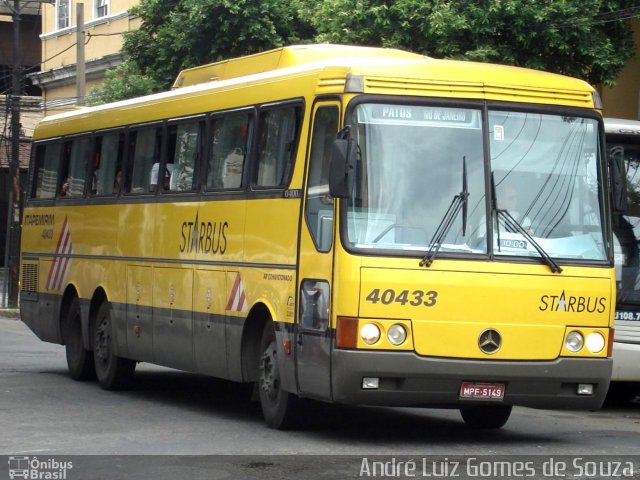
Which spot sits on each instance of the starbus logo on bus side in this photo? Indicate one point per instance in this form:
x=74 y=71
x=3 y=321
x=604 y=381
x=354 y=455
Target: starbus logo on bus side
x=203 y=237
x=570 y=303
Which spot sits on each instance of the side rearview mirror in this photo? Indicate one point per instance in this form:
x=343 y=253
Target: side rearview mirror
x=619 y=201
x=343 y=165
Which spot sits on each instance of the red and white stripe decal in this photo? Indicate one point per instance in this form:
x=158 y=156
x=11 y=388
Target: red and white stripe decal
x=62 y=260
x=237 y=299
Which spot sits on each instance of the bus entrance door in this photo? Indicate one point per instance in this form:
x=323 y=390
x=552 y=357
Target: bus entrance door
x=314 y=338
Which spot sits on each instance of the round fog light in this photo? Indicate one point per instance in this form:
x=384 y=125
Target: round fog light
x=397 y=334
x=595 y=342
x=574 y=341
x=370 y=333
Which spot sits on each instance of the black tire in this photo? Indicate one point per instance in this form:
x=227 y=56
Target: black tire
x=113 y=372
x=279 y=407
x=79 y=359
x=486 y=416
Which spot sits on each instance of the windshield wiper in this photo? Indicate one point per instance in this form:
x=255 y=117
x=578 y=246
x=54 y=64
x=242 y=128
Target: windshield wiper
x=459 y=202
x=513 y=225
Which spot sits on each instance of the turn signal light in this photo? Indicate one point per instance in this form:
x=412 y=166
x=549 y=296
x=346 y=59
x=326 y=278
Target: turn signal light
x=347 y=332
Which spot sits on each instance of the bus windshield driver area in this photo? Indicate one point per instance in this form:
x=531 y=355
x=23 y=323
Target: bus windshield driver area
x=544 y=171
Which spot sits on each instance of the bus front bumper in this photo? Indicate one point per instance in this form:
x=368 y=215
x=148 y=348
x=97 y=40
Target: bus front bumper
x=407 y=379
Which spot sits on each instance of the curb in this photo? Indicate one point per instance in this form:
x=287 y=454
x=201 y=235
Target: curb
x=9 y=313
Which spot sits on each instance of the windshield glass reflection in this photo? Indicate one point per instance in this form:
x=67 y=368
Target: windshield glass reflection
x=410 y=170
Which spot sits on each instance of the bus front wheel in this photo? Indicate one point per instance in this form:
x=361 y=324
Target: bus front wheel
x=279 y=407
x=79 y=360
x=113 y=372
x=486 y=416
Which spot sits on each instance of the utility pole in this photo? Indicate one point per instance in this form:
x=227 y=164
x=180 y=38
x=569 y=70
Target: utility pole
x=12 y=247
x=80 y=66
x=13 y=212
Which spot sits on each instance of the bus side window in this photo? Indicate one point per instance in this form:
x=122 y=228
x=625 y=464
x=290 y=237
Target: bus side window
x=47 y=158
x=319 y=205
x=144 y=154
x=228 y=151
x=278 y=138
x=107 y=173
x=183 y=154
x=74 y=167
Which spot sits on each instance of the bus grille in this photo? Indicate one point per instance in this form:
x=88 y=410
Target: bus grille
x=29 y=277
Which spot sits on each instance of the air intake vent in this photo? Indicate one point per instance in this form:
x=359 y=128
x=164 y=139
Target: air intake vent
x=29 y=278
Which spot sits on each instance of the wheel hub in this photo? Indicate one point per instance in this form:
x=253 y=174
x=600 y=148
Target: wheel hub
x=269 y=375
x=103 y=341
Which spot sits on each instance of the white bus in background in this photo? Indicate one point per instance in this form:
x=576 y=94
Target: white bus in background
x=623 y=150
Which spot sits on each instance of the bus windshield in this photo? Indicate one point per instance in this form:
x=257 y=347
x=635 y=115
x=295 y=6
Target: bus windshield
x=544 y=170
x=626 y=226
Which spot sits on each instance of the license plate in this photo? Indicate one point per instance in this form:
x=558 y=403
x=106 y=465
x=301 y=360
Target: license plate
x=482 y=391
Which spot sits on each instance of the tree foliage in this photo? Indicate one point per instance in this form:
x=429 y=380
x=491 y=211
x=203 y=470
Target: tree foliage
x=581 y=38
x=124 y=81
x=178 y=34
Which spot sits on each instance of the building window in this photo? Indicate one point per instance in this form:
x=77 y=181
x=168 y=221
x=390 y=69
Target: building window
x=63 y=13
x=102 y=8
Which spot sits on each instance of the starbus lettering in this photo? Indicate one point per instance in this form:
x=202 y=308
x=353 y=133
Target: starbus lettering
x=570 y=303
x=203 y=237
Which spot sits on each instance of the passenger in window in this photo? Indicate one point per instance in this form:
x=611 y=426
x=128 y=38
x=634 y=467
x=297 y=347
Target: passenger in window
x=232 y=168
x=64 y=190
x=166 y=177
x=153 y=176
x=509 y=201
x=267 y=157
x=95 y=179
x=117 y=184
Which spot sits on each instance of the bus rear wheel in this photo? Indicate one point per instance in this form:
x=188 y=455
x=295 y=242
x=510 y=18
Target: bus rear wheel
x=486 y=416
x=79 y=359
x=113 y=372
x=279 y=407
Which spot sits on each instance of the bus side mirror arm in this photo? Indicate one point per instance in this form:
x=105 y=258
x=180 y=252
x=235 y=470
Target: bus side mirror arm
x=619 y=201
x=343 y=165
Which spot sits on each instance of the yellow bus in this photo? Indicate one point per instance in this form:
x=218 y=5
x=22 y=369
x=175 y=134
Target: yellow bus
x=344 y=224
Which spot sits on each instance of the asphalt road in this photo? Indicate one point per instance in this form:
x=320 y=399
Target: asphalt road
x=198 y=427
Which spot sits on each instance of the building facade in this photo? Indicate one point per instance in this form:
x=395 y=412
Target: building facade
x=105 y=21
x=623 y=100
x=26 y=56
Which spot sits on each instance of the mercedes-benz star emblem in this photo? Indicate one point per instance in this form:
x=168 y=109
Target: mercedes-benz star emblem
x=489 y=341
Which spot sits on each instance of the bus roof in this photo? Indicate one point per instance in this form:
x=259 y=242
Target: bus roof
x=282 y=58
x=326 y=69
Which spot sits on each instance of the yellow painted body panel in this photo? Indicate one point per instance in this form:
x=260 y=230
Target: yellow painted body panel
x=449 y=305
x=164 y=255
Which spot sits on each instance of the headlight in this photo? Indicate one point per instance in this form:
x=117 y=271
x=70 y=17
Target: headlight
x=595 y=342
x=574 y=341
x=370 y=333
x=397 y=334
